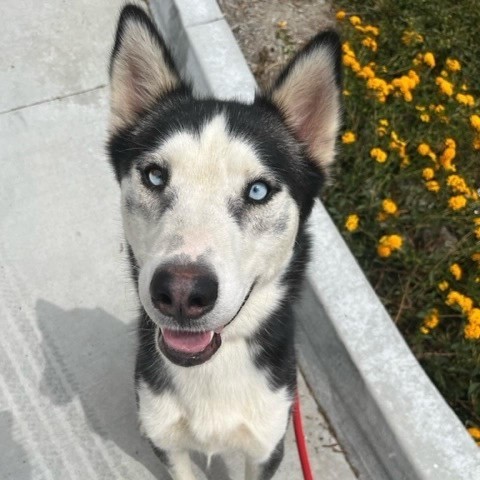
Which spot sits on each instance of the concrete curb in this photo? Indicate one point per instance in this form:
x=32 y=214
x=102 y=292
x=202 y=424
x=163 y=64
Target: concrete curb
x=388 y=415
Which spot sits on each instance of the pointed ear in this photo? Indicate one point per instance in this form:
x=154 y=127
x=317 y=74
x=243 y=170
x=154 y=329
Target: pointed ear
x=308 y=94
x=141 y=68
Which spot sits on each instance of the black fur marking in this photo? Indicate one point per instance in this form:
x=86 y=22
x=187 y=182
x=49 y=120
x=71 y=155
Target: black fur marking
x=274 y=341
x=236 y=208
x=150 y=366
x=269 y=468
x=134 y=269
x=162 y=455
x=163 y=201
x=274 y=344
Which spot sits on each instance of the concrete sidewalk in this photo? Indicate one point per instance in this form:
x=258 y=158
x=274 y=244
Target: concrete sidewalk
x=67 y=406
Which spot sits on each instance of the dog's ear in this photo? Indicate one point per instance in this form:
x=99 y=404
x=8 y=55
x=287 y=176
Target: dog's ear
x=141 y=68
x=307 y=92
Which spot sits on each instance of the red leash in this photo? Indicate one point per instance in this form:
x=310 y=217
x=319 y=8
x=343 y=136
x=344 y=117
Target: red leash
x=300 y=438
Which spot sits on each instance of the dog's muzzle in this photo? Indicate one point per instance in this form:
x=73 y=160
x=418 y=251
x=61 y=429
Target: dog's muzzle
x=185 y=293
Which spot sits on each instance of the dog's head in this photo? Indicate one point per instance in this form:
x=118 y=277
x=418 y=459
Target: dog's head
x=214 y=193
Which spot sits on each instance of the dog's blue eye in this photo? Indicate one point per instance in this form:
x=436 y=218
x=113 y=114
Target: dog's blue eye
x=258 y=191
x=155 y=177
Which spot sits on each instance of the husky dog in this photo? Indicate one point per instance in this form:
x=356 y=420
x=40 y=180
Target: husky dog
x=215 y=196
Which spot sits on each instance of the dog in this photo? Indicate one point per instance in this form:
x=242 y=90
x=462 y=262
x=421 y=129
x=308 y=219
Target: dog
x=215 y=196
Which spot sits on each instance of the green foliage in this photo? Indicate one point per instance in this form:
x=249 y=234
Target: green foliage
x=405 y=96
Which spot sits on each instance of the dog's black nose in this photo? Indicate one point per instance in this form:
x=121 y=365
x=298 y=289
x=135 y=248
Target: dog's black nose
x=184 y=291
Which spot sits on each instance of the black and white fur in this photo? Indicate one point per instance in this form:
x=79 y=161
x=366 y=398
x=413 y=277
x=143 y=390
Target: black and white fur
x=207 y=154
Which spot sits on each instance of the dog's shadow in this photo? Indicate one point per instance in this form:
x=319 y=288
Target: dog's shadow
x=89 y=355
x=15 y=463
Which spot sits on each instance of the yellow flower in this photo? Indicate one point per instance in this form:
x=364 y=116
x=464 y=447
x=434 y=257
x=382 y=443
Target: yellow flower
x=351 y=224
x=442 y=286
x=474 y=432
x=406 y=83
x=418 y=59
x=439 y=109
x=349 y=137
x=450 y=143
x=446 y=158
x=370 y=43
x=389 y=206
x=456 y=298
x=373 y=30
x=400 y=146
x=472 y=329
x=475 y=122
x=476 y=221
x=456 y=271
x=476 y=143
x=431 y=320
x=429 y=59
x=423 y=149
x=340 y=15
x=428 y=173
x=476 y=257
x=384 y=251
x=465 y=99
x=368 y=29
x=366 y=72
x=282 y=24
x=347 y=49
x=393 y=242
x=445 y=86
x=457 y=184
x=474 y=315
x=409 y=37
x=432 y=186
x=453 y=65
x=425 y=117
x=457 y=202
x=355 y=20
x=378 y=154
x=381 y=88
x=352 y=62
x=382 y=127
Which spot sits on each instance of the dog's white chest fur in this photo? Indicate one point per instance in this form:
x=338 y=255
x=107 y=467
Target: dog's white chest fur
x=224 y=404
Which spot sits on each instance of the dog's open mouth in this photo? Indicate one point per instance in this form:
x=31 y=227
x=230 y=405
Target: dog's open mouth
x=188 y=349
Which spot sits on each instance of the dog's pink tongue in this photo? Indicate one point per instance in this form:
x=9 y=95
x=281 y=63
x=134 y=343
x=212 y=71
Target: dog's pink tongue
x=188 y=342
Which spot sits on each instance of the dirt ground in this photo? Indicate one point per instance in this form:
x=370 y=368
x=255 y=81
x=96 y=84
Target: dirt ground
x=270 y=31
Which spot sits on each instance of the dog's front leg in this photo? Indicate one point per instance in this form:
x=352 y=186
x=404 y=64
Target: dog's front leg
x=255 y=470
x=180 y=466
x=177 y=462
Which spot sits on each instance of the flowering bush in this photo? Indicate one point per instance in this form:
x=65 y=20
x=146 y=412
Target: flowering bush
x=405 y=192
